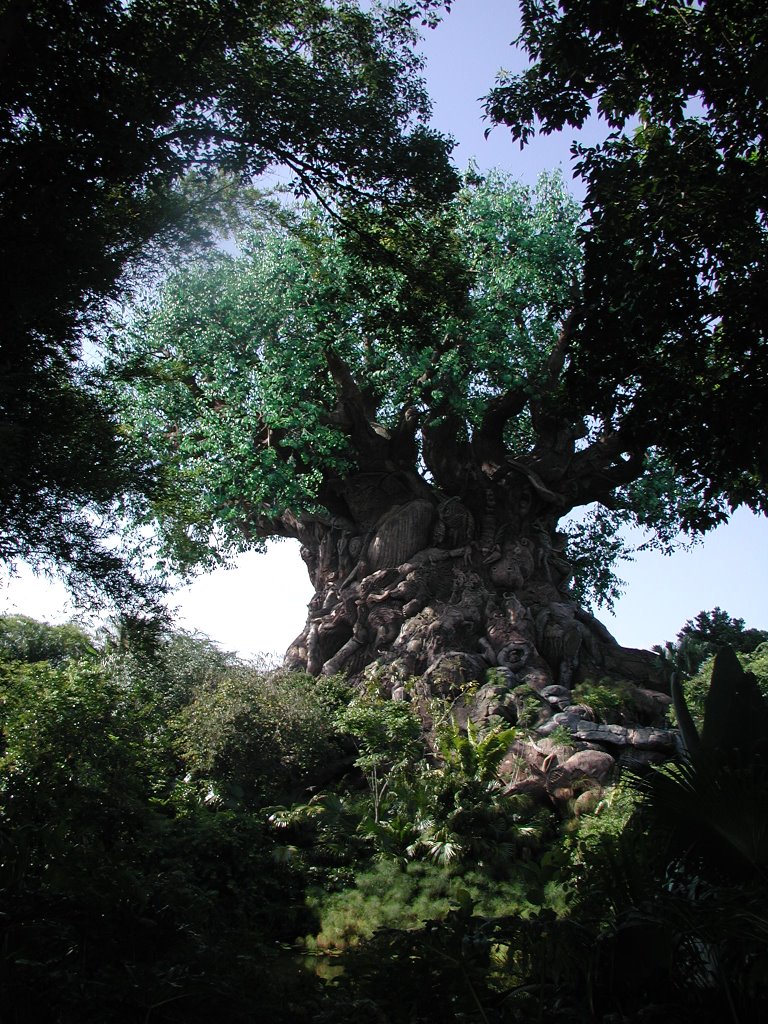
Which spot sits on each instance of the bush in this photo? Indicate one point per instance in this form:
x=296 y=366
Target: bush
x=696 y=688
x=609 y=700
x=258 y=738
x=122 y=897
x=27 y=640
x=389 y=895
x=166 y=668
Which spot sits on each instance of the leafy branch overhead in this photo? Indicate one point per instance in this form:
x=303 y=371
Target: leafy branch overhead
x=127 y=130
x=676 y=232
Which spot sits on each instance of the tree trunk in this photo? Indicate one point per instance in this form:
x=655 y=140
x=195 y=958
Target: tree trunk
x=410 y=583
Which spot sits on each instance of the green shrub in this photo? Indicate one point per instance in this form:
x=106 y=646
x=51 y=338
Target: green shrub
x=166 y=668
x=696 y=688
x=27 y=640
x=257 y=737
x=608 y=699
x=122 y=900
x=561 y=736
x=529 y=706
x=389 y=895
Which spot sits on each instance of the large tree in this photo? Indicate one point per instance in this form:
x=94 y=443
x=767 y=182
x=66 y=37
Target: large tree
x=676 y=231
x=123 y=125
x=404 y=417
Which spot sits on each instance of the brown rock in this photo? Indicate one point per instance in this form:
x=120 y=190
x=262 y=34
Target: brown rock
x=596 y=764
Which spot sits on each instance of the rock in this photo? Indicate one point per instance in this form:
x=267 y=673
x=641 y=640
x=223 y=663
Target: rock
x=400 y=533
x=595 y=764
x=451 y=672
x=646 y=738
x=610 y=735
x=644 y=668
x=638 y=760
x=559 y=695
x=549 y=746
x=536 y=789
x=652 y=707
x=493 y=699
x=502 y=676
x=572 y=719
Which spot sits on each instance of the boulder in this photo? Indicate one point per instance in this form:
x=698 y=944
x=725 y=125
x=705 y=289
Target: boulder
x=595 y=764
x=646 y=738
x=493 y=700
x=449 y=674
x=559 y=696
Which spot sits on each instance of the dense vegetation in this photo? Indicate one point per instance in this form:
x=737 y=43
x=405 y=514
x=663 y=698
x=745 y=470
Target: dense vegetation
x=418 y=381
x=187 y=836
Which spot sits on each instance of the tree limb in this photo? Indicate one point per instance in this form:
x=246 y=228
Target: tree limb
x=371 y=444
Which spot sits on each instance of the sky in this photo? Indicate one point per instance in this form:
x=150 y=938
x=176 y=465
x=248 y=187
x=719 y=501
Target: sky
x=259 y=606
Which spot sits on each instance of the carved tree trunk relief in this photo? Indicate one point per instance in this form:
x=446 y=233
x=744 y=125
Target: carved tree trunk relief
x=415 y=584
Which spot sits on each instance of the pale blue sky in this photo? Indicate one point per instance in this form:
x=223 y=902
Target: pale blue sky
x=261 y=605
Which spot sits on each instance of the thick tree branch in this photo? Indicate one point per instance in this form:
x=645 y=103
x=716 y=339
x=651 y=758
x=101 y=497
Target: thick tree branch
x=556 y=361
x=488 y=440
x=369 y=439
x=554 y=432
x=447 y=453
x=612 y=461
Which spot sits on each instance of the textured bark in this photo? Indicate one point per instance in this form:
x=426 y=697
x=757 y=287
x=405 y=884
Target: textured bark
x=411 y=583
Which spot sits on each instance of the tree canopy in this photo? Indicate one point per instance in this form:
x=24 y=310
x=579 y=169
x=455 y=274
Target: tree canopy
x=125 y=126
x=671 y=326
x=266 y=382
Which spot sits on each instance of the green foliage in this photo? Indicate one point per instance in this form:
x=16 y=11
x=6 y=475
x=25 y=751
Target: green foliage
x=595 y=544
x=390 y=895
x=165 y=667
x=385 y=732
x=609 y=700
x=79 y=732
x=676 y=248
x=713 y=806
x=128 y=892
x=232 y=378
x=529 y=706
x=387 y=736
x=702 y=637
x=561 y=736
x=696 y=688
x=26 y=639
x=455 y=813
x=256 y=738
x=122 y=895
x=263 y=382
x=160 y=110
x=471 y=756
x=718 y=629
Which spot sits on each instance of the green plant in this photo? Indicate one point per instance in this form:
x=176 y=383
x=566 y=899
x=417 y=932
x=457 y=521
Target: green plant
x=529 y=706
x=124 y=896
x=388 y=738
x=561 y=735
x=256 y=737
x=608 y=699
x=26 y=639
x=470 y=755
